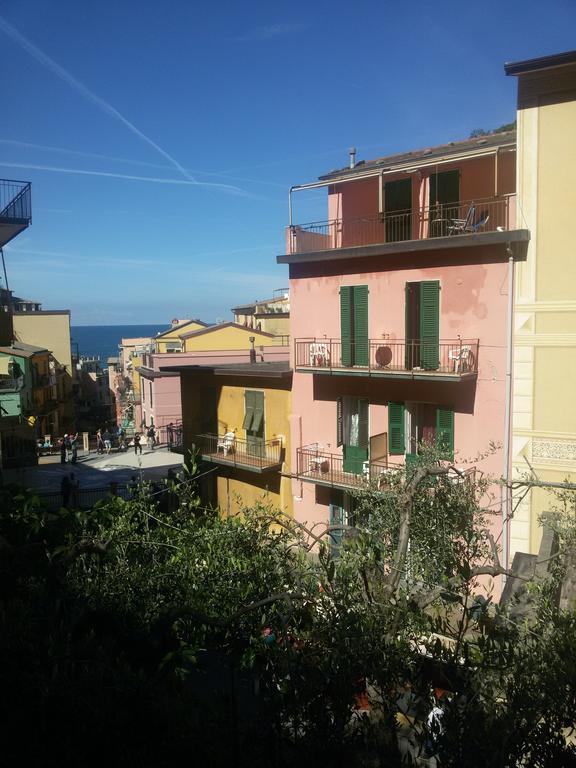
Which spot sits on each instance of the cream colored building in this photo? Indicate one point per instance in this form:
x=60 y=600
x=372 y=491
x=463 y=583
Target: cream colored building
x=50 y=329
x=544 y=374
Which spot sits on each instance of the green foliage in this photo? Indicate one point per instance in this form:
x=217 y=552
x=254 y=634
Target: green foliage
x=168 y=631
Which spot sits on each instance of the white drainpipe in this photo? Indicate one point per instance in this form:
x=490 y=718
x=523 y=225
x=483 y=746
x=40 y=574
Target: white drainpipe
x=507 y=501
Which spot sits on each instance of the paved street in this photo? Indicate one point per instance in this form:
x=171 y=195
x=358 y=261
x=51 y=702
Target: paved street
x=94 y=470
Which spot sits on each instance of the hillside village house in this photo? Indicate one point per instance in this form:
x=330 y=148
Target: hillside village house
x=401 y=319
x=217 y=344
x=235 y=419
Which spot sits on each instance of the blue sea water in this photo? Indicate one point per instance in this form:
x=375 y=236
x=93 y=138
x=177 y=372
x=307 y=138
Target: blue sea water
x=103 y=340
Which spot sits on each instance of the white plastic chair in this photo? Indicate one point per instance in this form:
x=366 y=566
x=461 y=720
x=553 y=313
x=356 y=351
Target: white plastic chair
x=226 y=443
x=319 y=354
x=461 y=358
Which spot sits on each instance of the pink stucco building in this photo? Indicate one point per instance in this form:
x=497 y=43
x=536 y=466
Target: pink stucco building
x=401 y=320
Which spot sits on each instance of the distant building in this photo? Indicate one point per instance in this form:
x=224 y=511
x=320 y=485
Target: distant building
x=269 y=315
x=29 y=387
x=160 y=393
x=51 y=329
x=235 y=418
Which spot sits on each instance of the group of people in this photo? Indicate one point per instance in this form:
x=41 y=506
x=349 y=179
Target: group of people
x=150 y=435
x=105 y=439
x=69 y=449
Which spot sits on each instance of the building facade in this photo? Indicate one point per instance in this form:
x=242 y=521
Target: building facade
x=236 y=421
x=400 y=306
x=544 y=407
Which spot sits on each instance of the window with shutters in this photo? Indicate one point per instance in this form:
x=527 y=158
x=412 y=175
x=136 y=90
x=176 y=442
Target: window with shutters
x=254 y=422
x=354 y=433
x=423 y=325
x=427 y=423
x=342 y=512
x=396 y=433
x=354 y=325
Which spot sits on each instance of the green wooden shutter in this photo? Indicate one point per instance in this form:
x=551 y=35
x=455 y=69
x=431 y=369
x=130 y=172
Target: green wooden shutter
x=258 y=420
x=249 y=410
x=396 y=439
x=360 y=309
x=337 y=517
x=346 y=324
x=445 y=431
x=363 y=424
x=339 y=423
x=429 y=324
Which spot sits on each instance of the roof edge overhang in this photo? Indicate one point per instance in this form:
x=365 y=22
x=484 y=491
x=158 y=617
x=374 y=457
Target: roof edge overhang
x=542 y=62
x=520 y=237
x=407 y=166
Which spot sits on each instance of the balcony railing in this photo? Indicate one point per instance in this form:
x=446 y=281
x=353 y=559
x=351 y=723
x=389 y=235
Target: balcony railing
x=11 y=384
x=452 y=359
x=15 y=201
x=253 y=455
x=441 y=220
x=324 y=468
x=315 y=465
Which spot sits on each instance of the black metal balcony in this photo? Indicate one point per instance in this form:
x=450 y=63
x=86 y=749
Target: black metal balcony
x=15 y=208
x=440 y=220
x=446 y=360
x=229 y=450
x=317 y=466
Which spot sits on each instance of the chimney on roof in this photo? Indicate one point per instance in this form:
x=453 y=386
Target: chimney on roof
x=252 y=339
x=352 y=153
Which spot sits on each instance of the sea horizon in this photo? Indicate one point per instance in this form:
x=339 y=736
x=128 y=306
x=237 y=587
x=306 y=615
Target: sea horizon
x=102 y=340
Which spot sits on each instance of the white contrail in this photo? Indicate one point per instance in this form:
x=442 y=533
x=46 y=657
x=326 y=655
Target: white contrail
x=153 y=179
x=83 y=90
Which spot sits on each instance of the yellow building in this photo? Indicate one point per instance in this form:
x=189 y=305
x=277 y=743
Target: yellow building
x=269 y=315
x=227 y=336
x=236 y=418
x=544 y=399
x=171 y=340
x=51 y=330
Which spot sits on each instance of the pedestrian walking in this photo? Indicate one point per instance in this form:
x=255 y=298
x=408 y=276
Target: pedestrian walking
x=151 y=435
x=137 y=444
x=74 y=448
x=99 y=441
x=68 y=447
x=107 y=441
x=63 y=450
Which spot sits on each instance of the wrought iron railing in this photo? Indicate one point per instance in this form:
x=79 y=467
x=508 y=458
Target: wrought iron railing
x=382 y=356
x=15 y=200
x=440 y=220
x=319 y=466
x=247 y=454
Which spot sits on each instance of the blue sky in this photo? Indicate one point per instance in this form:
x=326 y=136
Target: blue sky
x=161 y=138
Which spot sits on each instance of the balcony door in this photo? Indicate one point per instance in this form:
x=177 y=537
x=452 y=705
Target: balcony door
x=412 y=424
x=254 y=422
x=353 y=433
x=398 y=210
x=423 y=325
x=444 y=201
x=354 y=325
